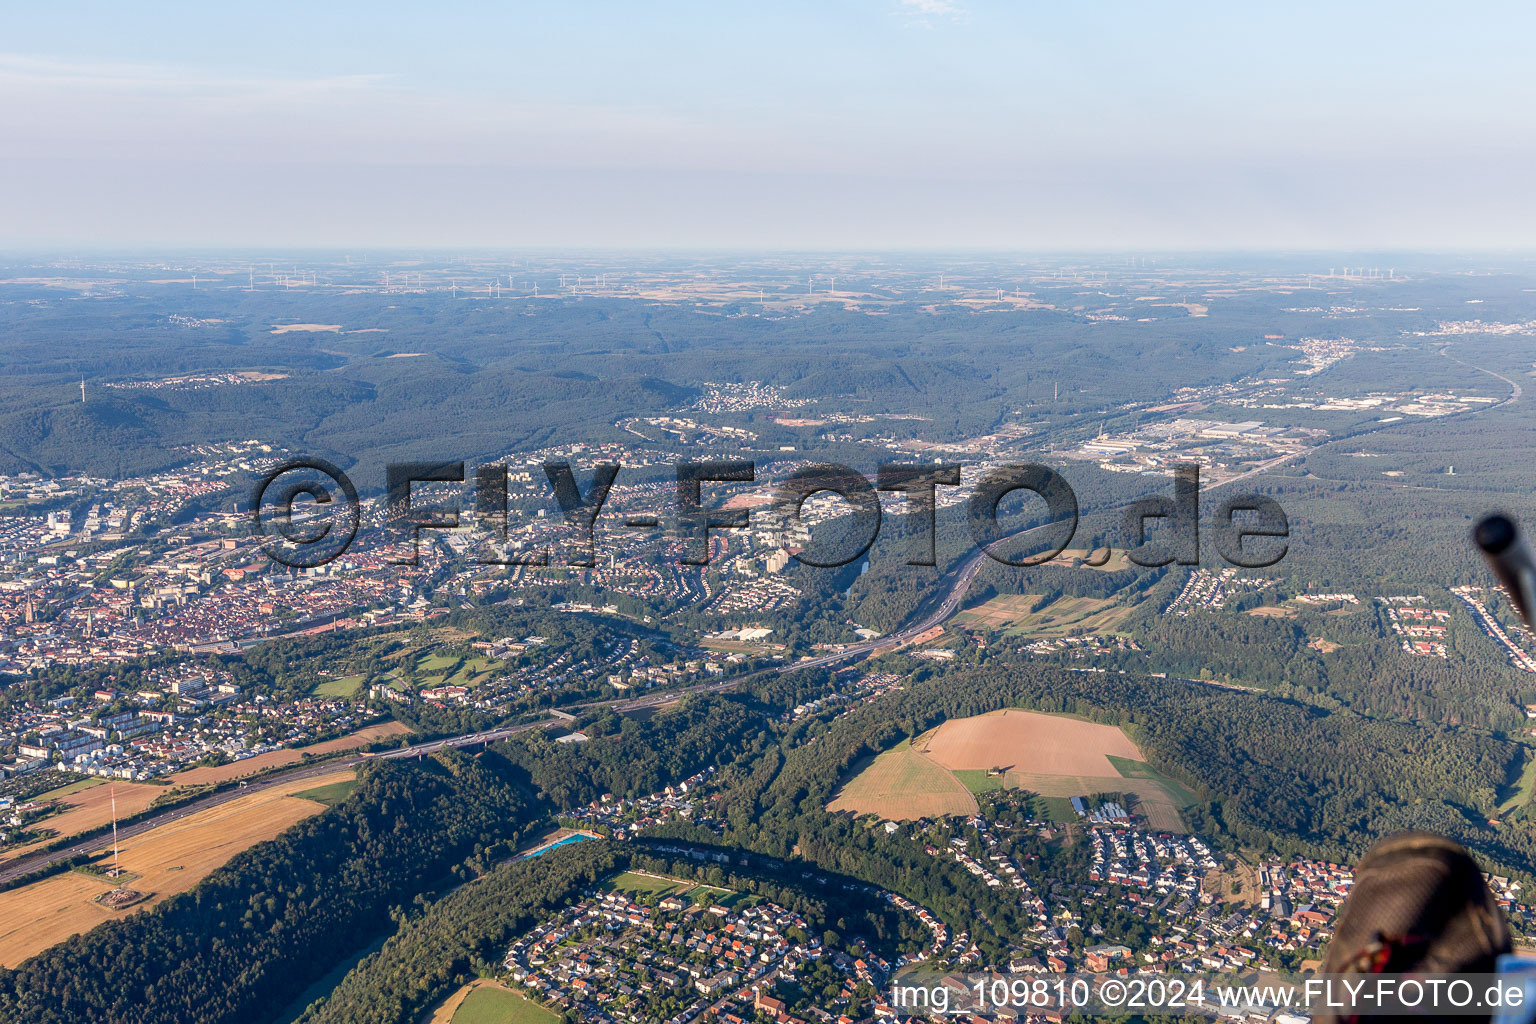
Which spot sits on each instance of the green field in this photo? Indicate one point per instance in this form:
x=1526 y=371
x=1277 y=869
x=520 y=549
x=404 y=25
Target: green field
x=1141 y=770
x=1525 y=788
x=435 y=670
x=330 y=795
x=978 y=781
x=346 y=686
x=639 y=884
x=707 y=894
x=498 y=1006
x=73 y=787
x=1056 y=808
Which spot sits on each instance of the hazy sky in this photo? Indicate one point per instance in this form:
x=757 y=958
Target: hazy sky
x=860 y=124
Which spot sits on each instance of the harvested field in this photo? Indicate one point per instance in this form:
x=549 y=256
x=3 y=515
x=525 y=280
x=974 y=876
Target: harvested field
x=1027 y=741
x=1154 y=801
x=69 y=789
x=1055 y=756
x=902 y=784
x=1001 y=612
x=167 y=860
x=92 y=808
x=251 y=765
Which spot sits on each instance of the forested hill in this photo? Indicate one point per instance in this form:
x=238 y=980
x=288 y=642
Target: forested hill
x=433 y=374
x=1275 y=774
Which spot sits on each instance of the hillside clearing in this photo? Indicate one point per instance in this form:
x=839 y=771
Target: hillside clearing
x=902 y=784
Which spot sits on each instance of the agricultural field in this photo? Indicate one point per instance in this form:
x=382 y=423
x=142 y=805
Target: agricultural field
x=1116 y=561
x=1053 y=756
x=90 y=807
x=69 y=790
x=1001 y=612
x=1027 y=742
x=486 y=1002
x=1031 y=615
x=272 y=759
x=329 y=795
x=166 y=860
x=903 y=784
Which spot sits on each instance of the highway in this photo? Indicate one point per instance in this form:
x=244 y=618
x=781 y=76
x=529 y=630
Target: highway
x=963 y=574
x=961 y=577
x=36 y=861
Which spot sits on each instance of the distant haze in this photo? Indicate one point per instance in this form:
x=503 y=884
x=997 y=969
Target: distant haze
x=864 y=124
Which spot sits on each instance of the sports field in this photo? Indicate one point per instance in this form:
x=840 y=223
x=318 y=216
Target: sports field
x=1054 y=756
x=644 y=883
x=903 y=784
x=169 y=859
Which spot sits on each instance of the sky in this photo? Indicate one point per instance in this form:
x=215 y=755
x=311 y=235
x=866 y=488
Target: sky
x=865 y=124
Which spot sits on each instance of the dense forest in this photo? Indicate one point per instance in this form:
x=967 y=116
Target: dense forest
x=463 y=934
x=1275 y=773
x=485 y=378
